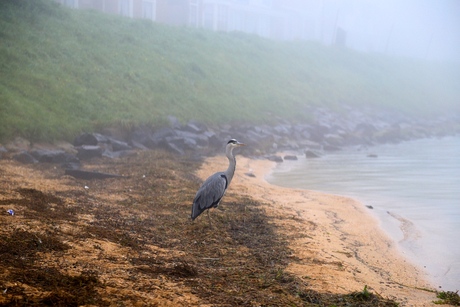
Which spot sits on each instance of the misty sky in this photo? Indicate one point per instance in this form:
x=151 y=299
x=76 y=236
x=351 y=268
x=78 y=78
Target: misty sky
x=427 y=29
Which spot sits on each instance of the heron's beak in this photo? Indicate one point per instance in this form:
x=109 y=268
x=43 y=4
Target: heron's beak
x=240 y=144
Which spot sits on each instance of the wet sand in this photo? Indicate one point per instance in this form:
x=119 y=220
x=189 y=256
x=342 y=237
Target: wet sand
x=337 y=246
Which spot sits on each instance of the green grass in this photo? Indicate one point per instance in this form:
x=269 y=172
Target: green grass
x=66 y=71
x=448 y=298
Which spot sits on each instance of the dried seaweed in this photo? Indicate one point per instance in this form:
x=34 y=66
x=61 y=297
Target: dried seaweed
x=121 y=240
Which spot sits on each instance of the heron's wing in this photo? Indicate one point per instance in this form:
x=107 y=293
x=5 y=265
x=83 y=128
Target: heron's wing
x=209 y=194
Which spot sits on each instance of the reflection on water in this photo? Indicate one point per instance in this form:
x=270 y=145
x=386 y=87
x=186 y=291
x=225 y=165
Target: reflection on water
x=414 y=188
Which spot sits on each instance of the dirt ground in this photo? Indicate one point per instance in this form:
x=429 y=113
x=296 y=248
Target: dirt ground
x=130 y=242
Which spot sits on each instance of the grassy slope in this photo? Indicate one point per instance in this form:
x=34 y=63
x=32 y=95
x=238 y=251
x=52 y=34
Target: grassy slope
x=64 y=71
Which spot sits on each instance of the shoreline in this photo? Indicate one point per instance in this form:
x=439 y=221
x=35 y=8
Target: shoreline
x=337 y=246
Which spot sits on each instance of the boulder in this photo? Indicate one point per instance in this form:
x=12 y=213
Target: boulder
x=317 y=132
x=172 y=144
x=86 y=152
x=174 y=148
x=328 y=147
x=25 y=157
x=53 y=156
x=183 y=143
x=142 y=138
x=282 y=130
x=213 y=139
x=333 y=139
x=119 y=145
x=193 y=138
x=364 y=130
x=160 y=135
x=290 y=157
x=275 y=158
x=90 y=139
x=311 y=154
x=145 y=137
x=311 y=144
x=194 y=127
x=117 y=154
x=391 y=134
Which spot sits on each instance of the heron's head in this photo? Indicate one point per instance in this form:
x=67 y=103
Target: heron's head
x=235 y=143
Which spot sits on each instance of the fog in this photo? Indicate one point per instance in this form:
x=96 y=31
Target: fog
x=423 y=29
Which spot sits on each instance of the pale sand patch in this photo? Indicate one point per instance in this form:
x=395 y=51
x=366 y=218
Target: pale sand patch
x=337 y=246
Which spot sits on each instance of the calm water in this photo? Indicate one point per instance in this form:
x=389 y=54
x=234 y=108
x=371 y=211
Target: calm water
x=414 y=188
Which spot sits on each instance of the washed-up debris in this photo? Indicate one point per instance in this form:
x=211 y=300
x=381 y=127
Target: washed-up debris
x=80 y=174
x=10 y=211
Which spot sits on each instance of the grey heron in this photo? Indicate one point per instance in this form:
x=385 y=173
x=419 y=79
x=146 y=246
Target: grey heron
x=213 y=189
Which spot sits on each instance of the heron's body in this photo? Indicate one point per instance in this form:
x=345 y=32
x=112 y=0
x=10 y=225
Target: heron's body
x=213 y=189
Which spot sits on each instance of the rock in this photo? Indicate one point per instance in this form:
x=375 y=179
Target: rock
x=148 y=139
x=172 y=144
x=182 y=143
x=117 y=154
x=52 y=156
x=328 y=147
x=372 y=156
x=290 y=157
x=87 y=152
x=327 y=130
x=364 y=130
x=65 y=146
x=137 y=145
x=250 y=174
x=193 y=127
x=318 y=132
x=193 y=138
x=275 y=158
x=119 y=145
x=389 y=135
x=161 y=134
x=213 y=140
x=311 y=154
x=260 y=138
x=282 y=129
x=85 y=139
x=311 y=144
x=142 y=137
x=175 y=149
x=333 y=139
x=25 y=157
x=92 y=139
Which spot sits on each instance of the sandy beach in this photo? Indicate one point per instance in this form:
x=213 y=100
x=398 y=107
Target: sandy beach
x=337 y=246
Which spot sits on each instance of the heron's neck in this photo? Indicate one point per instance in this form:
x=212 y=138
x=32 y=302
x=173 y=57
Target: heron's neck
x=232 y=164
